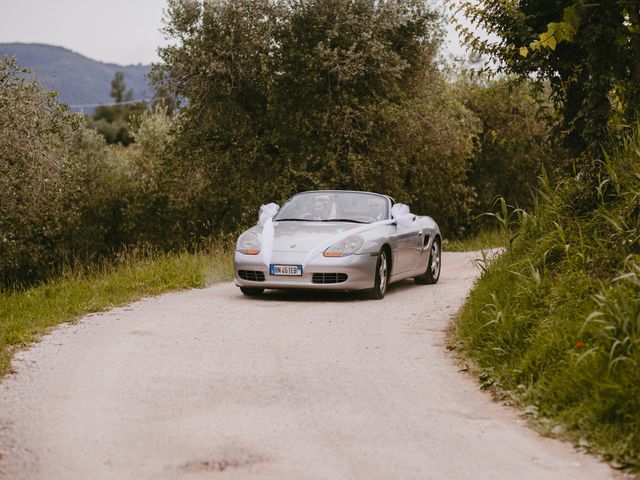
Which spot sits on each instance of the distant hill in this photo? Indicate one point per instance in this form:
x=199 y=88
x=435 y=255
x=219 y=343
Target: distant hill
x=78 y=79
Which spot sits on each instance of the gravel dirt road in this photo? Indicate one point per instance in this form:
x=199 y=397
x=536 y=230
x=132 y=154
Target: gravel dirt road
x=210 y=384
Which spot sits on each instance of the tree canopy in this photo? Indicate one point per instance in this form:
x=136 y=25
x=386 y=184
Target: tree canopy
x=589 y=54
x=284 y=96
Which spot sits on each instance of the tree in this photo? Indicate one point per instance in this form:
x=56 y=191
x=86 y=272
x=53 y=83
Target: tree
x=50 y=166
x=119 y=90
x=284 y=96
x=589 y=54
x=113 y=122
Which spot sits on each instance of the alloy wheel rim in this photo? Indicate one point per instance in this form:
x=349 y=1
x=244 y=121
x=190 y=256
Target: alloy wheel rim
x=435 y=260
x=382 y=272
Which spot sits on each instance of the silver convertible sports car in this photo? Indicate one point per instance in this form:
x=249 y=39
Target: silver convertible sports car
x=337 y=240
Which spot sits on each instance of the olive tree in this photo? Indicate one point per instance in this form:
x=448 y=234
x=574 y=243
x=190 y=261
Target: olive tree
x=283 y=96
x=48 y=166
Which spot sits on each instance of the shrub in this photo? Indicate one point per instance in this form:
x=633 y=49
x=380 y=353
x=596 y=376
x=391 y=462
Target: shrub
x=64 y=195
x=47 y=160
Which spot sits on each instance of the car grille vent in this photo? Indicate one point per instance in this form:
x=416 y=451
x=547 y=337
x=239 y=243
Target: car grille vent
x=251 y=275
x=329 y=277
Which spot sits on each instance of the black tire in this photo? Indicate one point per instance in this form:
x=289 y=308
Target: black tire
x=432 y=274
x=251 y=291
x=381 y=276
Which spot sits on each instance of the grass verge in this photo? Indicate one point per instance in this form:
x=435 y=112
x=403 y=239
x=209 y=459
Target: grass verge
x=484 y=240
x=26 y=314
x=553 y=324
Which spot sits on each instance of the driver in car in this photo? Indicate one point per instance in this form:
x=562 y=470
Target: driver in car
x=321 y=209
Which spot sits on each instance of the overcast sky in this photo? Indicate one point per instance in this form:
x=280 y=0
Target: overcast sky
x=115 y=31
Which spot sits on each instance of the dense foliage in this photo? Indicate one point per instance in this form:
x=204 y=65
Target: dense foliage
x=47 y=161
x=513 y=145
x=289 y=96
x=63 y=194
x=555 y=321
x=277 y=97
x=589 y=54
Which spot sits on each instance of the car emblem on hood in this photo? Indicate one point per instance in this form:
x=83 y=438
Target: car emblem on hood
x=293 y=245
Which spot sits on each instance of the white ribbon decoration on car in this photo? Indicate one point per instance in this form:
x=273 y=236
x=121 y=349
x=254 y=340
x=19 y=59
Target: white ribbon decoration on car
x=267 y=212
x=400 y=215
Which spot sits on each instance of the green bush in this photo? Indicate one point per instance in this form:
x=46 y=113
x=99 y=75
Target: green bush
x=67 y=198
x=48 y=161
x=149 y=174
x=555 y=320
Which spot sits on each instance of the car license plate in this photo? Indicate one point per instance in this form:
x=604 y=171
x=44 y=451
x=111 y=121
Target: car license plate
x=291 y=270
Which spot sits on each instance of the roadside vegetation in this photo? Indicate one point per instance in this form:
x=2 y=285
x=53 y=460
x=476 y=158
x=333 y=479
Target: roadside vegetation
x=554 y=323
x=485 y=239
x=26 y=314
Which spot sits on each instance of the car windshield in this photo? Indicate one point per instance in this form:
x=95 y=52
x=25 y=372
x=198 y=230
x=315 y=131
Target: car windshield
x=335 y=206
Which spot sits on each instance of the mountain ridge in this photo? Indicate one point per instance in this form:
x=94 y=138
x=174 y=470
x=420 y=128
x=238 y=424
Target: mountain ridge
x=78 y=79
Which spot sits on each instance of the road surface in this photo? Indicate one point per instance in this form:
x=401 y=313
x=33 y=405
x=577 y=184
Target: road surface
x=210 y=384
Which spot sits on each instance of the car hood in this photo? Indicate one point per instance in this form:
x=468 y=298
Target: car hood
x=304 y=236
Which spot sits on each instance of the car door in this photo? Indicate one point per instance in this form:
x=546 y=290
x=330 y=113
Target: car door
x=409 y=246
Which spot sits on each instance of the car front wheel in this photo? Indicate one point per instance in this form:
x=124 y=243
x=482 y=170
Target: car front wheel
x=381 y=276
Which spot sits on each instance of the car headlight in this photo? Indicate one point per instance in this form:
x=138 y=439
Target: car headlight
x=248 y=243
x=345 y=247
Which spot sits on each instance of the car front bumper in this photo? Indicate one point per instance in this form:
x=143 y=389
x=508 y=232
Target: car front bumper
x=359 y=269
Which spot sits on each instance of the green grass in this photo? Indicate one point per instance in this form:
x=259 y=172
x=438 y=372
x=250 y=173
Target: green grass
x=486 y=239
x=553 y=324
x=27 y=314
